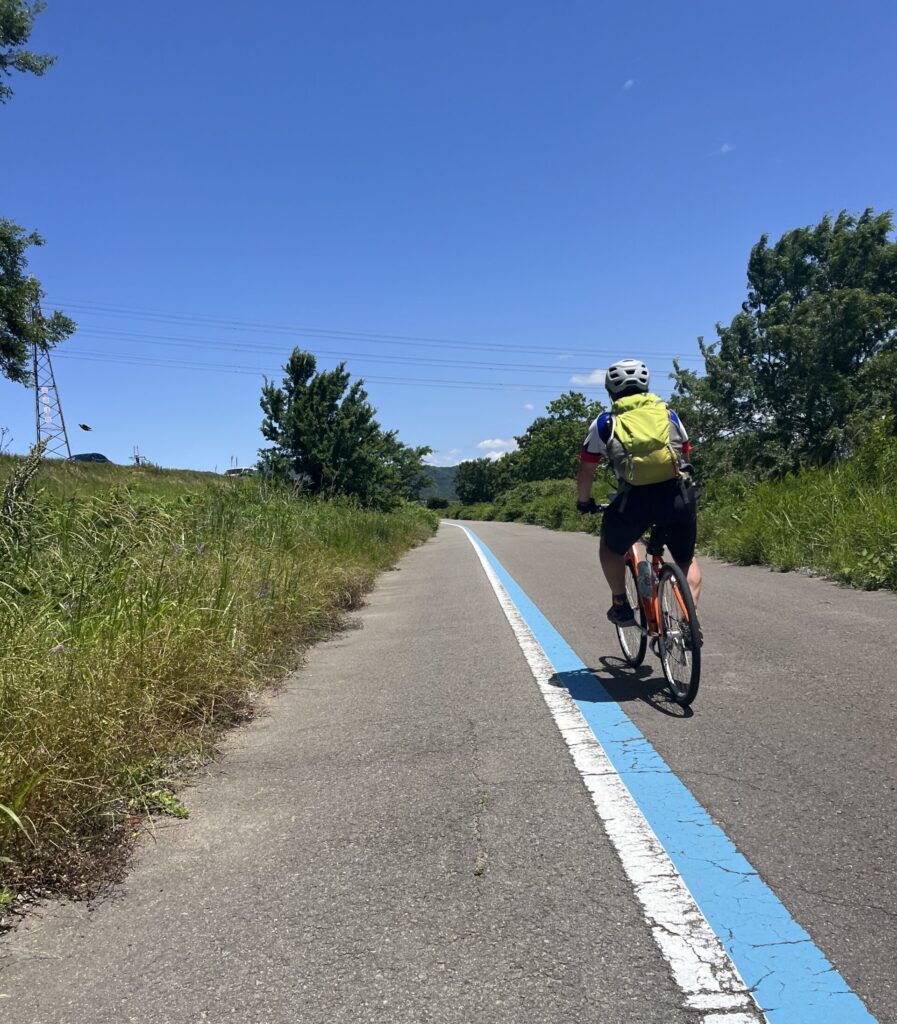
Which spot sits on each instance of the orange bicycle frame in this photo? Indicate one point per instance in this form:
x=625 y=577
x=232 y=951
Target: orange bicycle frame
x=650 y=605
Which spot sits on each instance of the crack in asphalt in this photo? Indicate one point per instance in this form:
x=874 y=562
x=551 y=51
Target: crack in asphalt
x=685 y=772
x=744 y=875
x=481 y=858
x=846 y=903
x=14 y=962
x=781 y=942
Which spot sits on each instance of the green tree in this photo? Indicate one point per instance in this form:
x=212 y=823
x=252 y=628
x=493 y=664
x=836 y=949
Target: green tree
x=19 y=293
x=549 y=448
x=876 y=385
x=16 y=22
x=790 y=374
x=325 y=436
x=406 y=472
x=475 y=480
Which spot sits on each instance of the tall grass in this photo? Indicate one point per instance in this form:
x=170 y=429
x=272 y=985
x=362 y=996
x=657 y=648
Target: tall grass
x=839 y=520
x=135 y=622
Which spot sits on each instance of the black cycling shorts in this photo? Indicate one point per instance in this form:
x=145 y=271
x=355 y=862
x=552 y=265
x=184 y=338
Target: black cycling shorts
x=635 y=510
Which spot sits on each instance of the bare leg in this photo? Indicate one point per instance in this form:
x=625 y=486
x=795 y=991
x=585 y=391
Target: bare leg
x=693 y=574
x=614 y=567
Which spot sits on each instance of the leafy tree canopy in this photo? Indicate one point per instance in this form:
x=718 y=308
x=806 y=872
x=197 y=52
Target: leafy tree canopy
x=19 y=292
x=16 y=22
x=549 y=448
x=806 y=361
x=476 y=480
x=325 y=436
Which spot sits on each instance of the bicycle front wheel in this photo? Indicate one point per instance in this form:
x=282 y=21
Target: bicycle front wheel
x=633 y=641
x=680 y=640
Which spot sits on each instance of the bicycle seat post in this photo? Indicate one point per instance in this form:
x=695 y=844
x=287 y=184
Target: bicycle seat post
x=656 y=541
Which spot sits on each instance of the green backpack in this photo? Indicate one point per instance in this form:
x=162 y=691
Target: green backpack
x=639 y=448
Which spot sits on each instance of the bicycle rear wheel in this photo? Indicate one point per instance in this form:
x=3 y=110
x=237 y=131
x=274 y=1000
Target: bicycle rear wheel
x=680 y=640
x=633 y=641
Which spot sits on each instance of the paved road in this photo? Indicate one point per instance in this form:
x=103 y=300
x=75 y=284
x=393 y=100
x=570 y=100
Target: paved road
x=403 y=835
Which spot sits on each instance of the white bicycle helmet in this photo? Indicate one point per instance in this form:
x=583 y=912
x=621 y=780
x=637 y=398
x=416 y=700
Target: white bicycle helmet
x=625 y=374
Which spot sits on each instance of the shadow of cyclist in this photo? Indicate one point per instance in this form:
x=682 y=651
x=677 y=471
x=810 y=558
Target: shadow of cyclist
x=619 y=682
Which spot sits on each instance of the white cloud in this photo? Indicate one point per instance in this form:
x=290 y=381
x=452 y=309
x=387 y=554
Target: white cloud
x=528 y=406
x=629 y=84
x=596 y=377
x=495 y=447
x=449 y=458
x=724 y=150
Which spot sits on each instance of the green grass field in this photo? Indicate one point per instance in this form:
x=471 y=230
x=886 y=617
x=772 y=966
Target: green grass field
x=140 y=609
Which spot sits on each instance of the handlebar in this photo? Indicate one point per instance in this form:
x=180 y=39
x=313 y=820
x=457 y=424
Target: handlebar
x=603 y=506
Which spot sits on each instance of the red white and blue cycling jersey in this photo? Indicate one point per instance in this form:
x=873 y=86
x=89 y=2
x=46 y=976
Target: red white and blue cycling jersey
x=594 y=448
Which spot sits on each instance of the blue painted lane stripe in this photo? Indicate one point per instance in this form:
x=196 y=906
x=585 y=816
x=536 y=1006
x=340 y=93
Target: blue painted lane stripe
x=793 y=982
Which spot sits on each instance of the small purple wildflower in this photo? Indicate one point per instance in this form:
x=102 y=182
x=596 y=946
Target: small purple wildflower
x=265 y=588
x=59 y=648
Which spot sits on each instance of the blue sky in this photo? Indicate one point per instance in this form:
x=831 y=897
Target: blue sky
x=501 y=193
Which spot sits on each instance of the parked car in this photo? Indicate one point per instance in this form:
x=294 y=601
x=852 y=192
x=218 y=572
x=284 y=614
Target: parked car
x=89 y=457
x=241 y=471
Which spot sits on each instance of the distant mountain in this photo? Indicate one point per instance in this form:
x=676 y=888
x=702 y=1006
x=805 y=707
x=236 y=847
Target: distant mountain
x=443 y=483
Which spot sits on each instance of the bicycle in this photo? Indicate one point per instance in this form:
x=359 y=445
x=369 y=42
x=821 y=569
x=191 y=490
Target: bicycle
x=666 y=617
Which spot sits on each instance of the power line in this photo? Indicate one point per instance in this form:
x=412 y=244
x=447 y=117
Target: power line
x=332 y=334
x=294 y=329
x=202 y=367
x=101 y=334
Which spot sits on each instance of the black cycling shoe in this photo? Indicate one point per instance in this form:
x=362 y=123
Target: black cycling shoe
x=687 y=639
x=621 y=615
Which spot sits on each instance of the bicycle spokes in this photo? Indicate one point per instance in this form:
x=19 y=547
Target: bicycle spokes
x=633 y=639
x=679 y=656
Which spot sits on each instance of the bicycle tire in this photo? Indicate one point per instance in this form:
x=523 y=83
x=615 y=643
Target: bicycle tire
x=680 y=655
x=633 y=640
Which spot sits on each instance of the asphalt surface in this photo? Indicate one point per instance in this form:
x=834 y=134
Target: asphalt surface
x=402 y=835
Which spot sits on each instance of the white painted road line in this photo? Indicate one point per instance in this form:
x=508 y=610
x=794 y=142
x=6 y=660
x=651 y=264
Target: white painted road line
x=701 y=967
x=786 y=974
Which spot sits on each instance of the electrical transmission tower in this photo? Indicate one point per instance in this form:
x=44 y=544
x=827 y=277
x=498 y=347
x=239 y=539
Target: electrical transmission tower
x=49 y=421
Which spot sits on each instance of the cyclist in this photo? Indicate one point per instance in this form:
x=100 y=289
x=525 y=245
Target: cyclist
x=638 y=505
